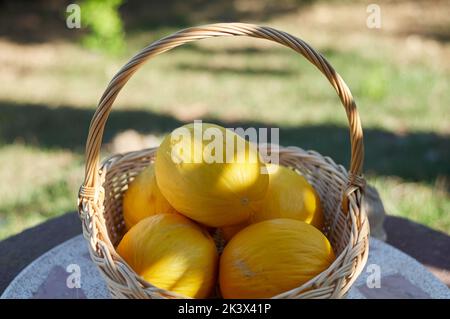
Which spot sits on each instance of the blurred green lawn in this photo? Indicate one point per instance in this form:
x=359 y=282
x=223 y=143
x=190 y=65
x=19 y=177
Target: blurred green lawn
x=49 y=91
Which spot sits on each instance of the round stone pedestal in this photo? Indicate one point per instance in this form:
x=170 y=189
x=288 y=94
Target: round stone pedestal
x=67 y=271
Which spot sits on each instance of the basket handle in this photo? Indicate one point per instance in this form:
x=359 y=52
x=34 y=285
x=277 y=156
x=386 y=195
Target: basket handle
x=97 y=125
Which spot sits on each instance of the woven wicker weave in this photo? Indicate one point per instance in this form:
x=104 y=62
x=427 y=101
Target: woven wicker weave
x=341 y=192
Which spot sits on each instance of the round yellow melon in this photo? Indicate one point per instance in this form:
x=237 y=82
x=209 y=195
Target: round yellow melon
x=272 y=257
x=210 y=174
x=289 y=195
x=143 y=198
x=172 y=253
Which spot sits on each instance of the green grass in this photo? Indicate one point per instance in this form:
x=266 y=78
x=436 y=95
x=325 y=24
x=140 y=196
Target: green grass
x=37 y=184
x=46 y=105
x=427 y=204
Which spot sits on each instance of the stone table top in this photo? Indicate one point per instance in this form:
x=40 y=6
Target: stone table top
x=67 y=271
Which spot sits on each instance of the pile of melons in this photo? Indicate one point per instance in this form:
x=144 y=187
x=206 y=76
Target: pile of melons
x=268 y=215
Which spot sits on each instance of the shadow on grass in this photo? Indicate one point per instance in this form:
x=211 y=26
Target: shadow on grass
x=437 y=32
x=176 y=13
x=414 y=156
x=249 y=51
x=25 y=21
x=265 y=71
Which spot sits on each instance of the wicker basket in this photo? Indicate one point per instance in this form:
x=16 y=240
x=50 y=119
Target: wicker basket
x=341 y=192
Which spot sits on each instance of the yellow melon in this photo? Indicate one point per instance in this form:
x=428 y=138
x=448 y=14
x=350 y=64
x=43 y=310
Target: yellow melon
x=289 y=195
x=143 y=198
x=210 y=174
x=271 y=257
x=172 y=253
